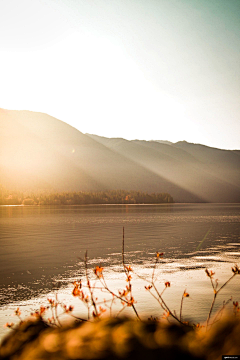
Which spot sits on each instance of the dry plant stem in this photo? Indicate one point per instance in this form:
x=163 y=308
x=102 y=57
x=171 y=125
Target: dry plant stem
x=117 y=296
x=90 y=288
x=219 y=313
x=74 y=316
x=226 y=282
x=164 y=305
x=20 y=318
x=110 y=291
x=105 y=287
x=126 y=272
x=136 y=312
x=123 y=253
x=120 y=311
x=162 y=302
x=105 y=301
x=110 y=309
x=159 y=297
x=181 y=306
x=216 y=292
x=78 y=318
x=56 y=314
x=211 y=308
x=52 y=313
x=154 y=269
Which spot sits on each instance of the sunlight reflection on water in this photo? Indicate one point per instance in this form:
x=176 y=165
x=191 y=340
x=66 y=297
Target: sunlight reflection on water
x=181 y=274
x=41 y=246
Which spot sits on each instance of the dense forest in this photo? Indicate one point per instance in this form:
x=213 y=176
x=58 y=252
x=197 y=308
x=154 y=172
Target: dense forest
x=81 y=198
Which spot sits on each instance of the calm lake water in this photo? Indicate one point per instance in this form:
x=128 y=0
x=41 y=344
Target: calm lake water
x=42 y=248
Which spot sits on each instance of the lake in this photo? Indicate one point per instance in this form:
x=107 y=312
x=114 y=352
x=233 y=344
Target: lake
x=42 y=248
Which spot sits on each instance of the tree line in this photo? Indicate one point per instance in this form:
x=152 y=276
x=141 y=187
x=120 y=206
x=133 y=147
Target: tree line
x=82 y=197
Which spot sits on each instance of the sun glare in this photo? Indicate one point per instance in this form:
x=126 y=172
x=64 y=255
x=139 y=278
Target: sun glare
x=150 y=80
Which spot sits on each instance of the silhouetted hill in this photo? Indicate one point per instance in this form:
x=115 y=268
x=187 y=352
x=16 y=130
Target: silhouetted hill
x=38 y=151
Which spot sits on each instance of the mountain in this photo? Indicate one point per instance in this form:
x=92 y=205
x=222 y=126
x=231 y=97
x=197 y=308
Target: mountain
x=163 y=142
x=39 y=152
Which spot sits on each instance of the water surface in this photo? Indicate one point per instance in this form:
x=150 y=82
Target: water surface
x=42 y=246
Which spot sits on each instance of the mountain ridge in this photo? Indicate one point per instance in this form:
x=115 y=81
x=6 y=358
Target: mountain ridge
x=38 y=151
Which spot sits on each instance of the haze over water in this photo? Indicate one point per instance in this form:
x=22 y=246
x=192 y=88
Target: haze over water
x=41 y=247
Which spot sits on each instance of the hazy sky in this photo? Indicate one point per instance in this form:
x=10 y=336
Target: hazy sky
x=146 y=69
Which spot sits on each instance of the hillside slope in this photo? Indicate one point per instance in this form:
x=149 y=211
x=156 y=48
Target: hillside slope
x=38 y=151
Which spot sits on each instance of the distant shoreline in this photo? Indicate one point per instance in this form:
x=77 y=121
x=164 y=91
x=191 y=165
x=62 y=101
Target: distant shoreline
x=107 y=197
x=117 y=204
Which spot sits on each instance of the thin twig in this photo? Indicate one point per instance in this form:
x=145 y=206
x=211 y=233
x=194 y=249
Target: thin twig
x=216 y=292
x=165 y=305
x=219 y=313
x=181 y=306
x=127 y=274
x=123 y=254
x=103 y=281
x=89 y=287
x=56 y=314
x=211 y=308
x=226 y=282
